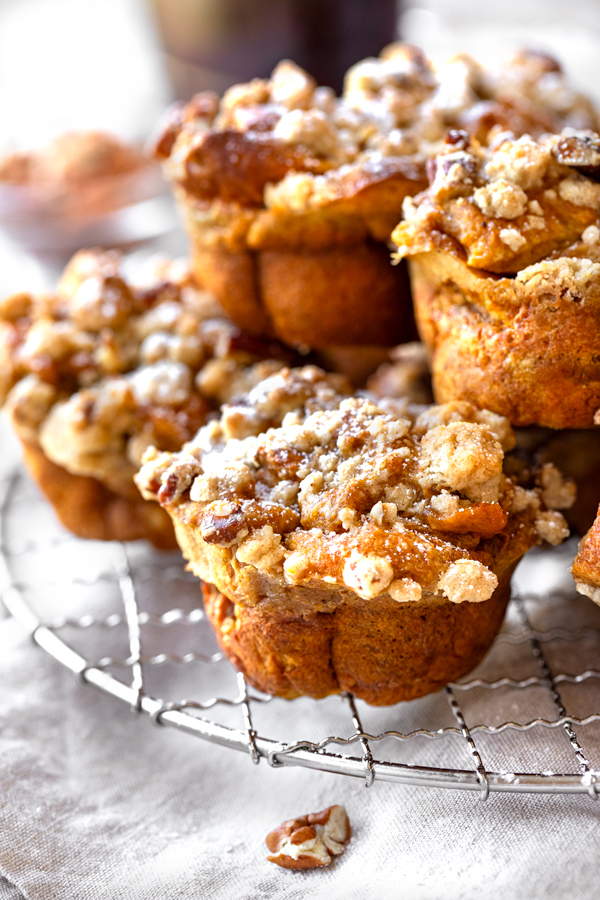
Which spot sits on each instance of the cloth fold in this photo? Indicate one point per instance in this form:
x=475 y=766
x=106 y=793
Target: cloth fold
x=96 y=802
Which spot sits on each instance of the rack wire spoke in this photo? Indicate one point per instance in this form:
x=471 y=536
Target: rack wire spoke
x=589 y=777
x=250 y=732
x=128 y=593
x=359 y=732
x=472 y=747
x=544 y=637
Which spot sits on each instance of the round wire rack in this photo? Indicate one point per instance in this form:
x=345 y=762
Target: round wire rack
x=129 y=621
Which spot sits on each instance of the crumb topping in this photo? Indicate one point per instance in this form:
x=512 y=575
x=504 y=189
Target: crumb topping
x=397 y=105
x=107 y=366
x=558 y=492
x=406 y=376
x=501 y=200
x=463 y=457
x=551 y=527
x=512 y=204
x=313 y=485
x=468 y=579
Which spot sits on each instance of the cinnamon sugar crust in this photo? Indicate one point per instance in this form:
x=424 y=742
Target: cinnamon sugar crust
x=505 y=271
x=93 y=374
x=304 y=501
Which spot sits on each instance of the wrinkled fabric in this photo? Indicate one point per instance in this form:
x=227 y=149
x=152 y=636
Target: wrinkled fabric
x=97 y=803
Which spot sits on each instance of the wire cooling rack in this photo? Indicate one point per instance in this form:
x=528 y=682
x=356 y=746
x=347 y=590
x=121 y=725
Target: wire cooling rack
x=129 y=621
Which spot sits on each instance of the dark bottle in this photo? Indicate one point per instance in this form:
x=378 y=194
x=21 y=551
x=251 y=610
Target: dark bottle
x=216 y=43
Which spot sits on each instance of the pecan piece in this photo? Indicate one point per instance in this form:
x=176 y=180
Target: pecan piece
x=581 y=151
x=224 y=523
x=176 y=480
x=311 y=841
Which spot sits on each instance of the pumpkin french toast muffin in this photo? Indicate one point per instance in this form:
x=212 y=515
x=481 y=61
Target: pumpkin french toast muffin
x=504 y=254
x=345 y=547
x=93 y=374
x=289 y=194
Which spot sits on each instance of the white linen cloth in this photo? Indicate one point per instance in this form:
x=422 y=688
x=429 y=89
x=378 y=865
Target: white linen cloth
x=98 y=803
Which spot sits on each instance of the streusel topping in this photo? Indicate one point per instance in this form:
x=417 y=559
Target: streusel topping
x=508 y=206
x=395 y=106
x=105 y=367
x=307 y=483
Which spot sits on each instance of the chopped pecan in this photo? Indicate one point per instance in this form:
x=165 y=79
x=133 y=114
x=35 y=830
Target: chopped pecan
x=459 y=139
x=542 y=61
x=223 y=524
x=171 y=426
x=311 y=841
x=202 y=106
x=581 y=151
x=177 y=480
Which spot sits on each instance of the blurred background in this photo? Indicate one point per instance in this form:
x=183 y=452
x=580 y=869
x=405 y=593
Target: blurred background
x=69 y=65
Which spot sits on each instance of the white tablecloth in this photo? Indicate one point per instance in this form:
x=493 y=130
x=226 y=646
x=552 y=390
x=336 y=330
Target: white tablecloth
x=98 y=805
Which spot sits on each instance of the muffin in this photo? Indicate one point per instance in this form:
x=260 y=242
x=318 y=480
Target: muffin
x=289 y=195
x=504 y=259
x=345 y=547
x=105 y=367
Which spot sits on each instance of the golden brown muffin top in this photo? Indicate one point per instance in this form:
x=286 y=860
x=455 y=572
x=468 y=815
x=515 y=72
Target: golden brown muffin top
x=505 y=207
x=287 y=143
x=308 y=482
x=108 y=364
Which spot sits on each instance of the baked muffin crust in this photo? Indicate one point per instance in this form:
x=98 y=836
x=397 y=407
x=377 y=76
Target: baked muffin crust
x=586 y=566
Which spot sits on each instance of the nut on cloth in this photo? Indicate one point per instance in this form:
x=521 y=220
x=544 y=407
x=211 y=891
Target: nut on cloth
x=309 y=842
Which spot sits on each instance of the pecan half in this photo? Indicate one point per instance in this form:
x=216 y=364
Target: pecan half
x=223 y=524
x=581 y=151
x=309 y=842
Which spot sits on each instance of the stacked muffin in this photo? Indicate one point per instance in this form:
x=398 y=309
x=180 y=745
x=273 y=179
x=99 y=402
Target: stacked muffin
x=290 y=194
x=347 y=541
x=504 y=251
